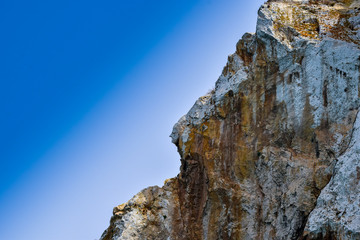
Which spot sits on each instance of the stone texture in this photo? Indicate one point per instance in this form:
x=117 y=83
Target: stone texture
x=273 y=152
x=337 y=212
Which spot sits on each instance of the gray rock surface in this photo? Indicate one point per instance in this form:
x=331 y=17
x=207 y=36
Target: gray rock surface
x=337 y=211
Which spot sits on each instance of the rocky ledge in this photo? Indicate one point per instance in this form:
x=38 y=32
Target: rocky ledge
x=274 y=151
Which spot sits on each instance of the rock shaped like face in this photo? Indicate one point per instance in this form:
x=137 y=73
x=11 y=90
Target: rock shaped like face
x=258 y=150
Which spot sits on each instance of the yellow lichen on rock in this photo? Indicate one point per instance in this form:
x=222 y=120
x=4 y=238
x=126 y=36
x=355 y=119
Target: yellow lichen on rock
x=313 y=20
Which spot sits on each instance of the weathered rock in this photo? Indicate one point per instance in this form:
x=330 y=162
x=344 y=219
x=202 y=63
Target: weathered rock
x=337 y=212
x=273 y=152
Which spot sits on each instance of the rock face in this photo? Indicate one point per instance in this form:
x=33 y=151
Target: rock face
x=273 y=152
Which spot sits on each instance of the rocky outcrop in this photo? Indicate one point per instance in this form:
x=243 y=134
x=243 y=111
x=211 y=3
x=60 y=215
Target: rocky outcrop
x=273 y=152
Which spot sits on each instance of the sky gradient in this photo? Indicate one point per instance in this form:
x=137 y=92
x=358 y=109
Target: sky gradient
x=90 y=92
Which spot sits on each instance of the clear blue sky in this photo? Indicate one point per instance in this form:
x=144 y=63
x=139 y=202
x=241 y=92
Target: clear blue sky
x=89 y=93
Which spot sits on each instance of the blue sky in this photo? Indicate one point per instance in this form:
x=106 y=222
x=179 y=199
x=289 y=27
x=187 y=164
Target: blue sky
x=90 y=92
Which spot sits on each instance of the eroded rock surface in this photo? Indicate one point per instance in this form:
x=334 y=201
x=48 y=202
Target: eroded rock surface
x=274 y=151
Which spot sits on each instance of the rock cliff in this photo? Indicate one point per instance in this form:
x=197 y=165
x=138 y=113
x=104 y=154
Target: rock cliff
x=273 y=152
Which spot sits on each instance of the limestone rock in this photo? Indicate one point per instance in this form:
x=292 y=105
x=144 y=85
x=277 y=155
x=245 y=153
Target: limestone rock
x=274 y=151
x=337 y=212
